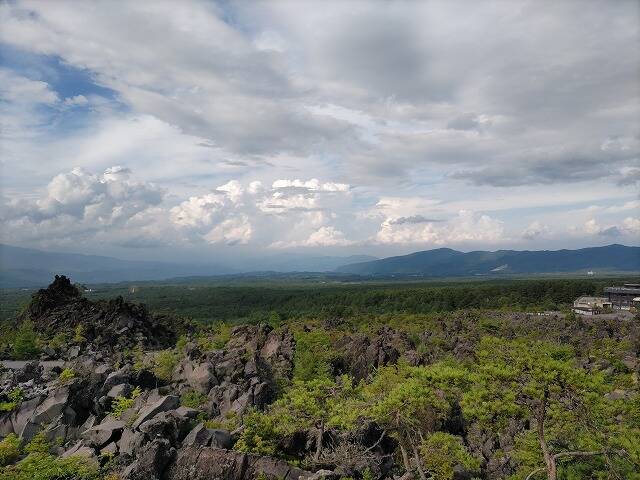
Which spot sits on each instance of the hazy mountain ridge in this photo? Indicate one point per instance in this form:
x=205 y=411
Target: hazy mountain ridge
x=26 y=267
x=448 y=262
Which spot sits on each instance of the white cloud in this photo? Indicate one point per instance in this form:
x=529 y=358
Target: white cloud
x=330 y=125
x=535 y=230
x=466 y=227
x=232 y=231
x=82 y=205
x=326 y=236
x=629 y=226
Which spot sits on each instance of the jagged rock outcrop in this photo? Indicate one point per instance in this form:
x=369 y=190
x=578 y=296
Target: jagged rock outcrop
x=242 y=375
x=194 y=463
x=360 y=354
x=106 y=325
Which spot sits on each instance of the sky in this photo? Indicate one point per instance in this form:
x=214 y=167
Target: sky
x=199 y=130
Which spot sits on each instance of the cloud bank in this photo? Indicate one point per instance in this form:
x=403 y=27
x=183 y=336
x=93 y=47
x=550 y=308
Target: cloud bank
x=351 y=126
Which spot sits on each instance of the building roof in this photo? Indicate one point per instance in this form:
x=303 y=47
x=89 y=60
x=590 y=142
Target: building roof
x=623 y=290
x=588 y=300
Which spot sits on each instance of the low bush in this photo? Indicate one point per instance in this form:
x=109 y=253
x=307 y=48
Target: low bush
x=15 y=397
x=41 y=466
x=120 y=403
x=192 y=399
x=9 y=449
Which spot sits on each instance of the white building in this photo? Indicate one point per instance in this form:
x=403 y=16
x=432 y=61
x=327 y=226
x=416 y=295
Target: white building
x=591 y=305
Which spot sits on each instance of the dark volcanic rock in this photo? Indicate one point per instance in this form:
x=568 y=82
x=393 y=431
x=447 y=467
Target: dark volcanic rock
x=195 y=463
x=111 y=325
x=152 y=461
x=361 y=354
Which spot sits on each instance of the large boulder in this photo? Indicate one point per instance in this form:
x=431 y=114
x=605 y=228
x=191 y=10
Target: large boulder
x=197 y=463
x=201 y=436
x=168 y=402
x=53 y=406
x=100 y=435
x=151 y=463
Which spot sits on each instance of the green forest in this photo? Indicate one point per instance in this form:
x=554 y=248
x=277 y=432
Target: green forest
x=208 y=301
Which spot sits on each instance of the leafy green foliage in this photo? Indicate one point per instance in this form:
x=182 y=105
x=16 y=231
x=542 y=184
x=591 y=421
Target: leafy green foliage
x=192 y=399
x=9 y=449
x=38 y=444
x=120 y=403
x=260 y=434
x=164 y=363
x=67 y=375
x=78 y=334
x=41 y=466
x=215 y=337
x=441 y=452
x=15 y=397
x=313 y=357
x=25 y=343
x=540 y=381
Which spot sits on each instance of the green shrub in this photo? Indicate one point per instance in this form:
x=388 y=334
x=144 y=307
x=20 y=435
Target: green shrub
x=38 y=444
x=164 y=363
x=15 y=399
x=120 y=403
x=314 y=355
x=230 y=422
x=66 y=376
x=441 y=452
x=217 y=339
x=25 y=343
x=192 y=399
x=181 y=344
x=138 y=359
x=259 y=434
x=41 y=466
x=9 y=449
x=78 y=334
x=59 y=341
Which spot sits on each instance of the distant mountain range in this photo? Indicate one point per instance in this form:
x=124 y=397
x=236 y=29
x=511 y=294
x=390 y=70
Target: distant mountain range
x=27 y=267
x=444 y=262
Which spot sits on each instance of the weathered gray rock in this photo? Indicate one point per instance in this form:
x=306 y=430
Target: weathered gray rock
x=187 y=412
x=79 y=450
x=152 y=461
x=167 y=425
x=199 y=436
x=24 y=414
x=231 y=368
x=110 y=449
x=116 y=378
x=202 y=378
x=198 y=463
x=120 y=390
x=53 y=406
x=99 y=435
x=163 y=404
x=220 y=439
x=324 y=475
x=130 y=442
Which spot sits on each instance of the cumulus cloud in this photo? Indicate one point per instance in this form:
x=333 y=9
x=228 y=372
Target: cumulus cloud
x=326 y=236
x=535 y=230
x=629 y=226
x=79 y=203
x=313 y=125
x=233 y=213
x=466 y=227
